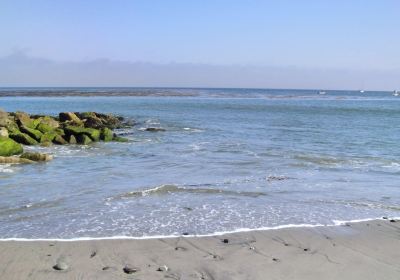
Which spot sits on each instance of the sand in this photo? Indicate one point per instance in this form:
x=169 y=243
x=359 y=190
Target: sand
x=365 y=250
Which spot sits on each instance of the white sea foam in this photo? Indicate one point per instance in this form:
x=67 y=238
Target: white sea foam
x=219 y=233
x=6 y=168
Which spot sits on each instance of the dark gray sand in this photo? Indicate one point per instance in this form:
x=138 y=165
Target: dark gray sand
x=365 y=250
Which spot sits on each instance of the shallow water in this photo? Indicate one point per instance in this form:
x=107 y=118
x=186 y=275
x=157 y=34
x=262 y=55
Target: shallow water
x=228 y=159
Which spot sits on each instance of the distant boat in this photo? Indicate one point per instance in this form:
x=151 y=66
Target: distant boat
x=396 y=93
x=321 y=92
x=362 y=91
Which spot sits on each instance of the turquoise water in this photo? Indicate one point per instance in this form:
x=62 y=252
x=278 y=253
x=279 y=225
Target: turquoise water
x=229 y=159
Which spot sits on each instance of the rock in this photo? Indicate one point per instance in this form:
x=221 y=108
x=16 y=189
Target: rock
x=128 y=269
x=225 y=240
x=50 y=122
x=48 y=137
x=70 y=117
x=23 y=119
x=72 y=140
x=3 y=132
x=83 y=139
x=36 y=156
x=14 y=160
x=61 y=265
x=59 y=140
x=46 y=144
x=23 y=138
x=35 y=134
x=120 y=139
x=94 y=134
x=110 y=121
x=44 y=128
x=5 y=119
x=9 y=147
x=59 y=131
x=106 y=134
x=154 y=129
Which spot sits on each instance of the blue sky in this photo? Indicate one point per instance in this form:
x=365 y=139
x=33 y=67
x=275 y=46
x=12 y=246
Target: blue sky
x=322 y=35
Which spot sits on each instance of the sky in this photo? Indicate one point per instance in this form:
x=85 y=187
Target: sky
x=341 y=44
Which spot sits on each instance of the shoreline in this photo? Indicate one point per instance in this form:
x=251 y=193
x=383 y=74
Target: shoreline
x=336 y=223
x=358 y=250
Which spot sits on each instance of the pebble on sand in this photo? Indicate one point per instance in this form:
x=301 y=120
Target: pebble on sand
x=225 y=240
x=130 y=269
x=61 y=265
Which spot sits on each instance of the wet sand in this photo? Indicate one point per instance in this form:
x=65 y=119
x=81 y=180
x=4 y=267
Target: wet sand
x=365 y=250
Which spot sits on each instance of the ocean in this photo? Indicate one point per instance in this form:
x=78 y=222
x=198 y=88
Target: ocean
x=229 y=160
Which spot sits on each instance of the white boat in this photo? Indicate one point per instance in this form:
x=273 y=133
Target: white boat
x=396 y=93
x=321 y=92
x=362 y=91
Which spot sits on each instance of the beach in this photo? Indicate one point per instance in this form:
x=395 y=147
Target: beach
x=362 y=250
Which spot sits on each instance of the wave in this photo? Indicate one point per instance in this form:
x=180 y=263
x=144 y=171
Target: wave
x=171 y=189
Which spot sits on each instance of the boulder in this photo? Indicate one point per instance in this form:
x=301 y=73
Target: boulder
x=59 y=140
x=48 y=137
x=70 y=118
x=83 y=139
x=13 y=160
x=72 y=140
x=23 y=138
x=110 y=121
x=154 y=129
x=23 y=119
x=94 y=134
x=3 y=132
x=36 y=156
x=106 y=134
x=9 y=147
x=35 y=134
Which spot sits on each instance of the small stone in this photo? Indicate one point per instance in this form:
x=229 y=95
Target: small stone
x=154 y=129
x=392 y=221
x=94 y=253
x=225 y=240
x=106 y=268
x=163 y=268
x=305 y=249
x=185 y=233
x=385 y=218
x=61 y=265
x=130 y=269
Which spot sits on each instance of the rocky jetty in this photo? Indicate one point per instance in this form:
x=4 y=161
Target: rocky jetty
x=19 y=128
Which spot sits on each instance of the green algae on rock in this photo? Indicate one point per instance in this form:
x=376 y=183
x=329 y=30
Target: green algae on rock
x=9 y=147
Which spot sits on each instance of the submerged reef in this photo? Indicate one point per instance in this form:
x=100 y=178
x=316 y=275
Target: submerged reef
x=19 y=128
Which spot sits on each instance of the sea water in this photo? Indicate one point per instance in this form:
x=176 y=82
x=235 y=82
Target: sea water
x=228 y=159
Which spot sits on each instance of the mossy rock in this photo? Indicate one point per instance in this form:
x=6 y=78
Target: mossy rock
x=43 y=128
x=94 y=134
x=70 y=117
x=83 y=139
x=120 y=139
x=35 y=134
x=59 y=140
x=72 y=140
x=36 y=156
x=59 y=131
x=106 y=134
x=48 y=137
x=3 y=132
x=14 y=160
x=23 y=119
x=9 y=147
x=23 y=138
